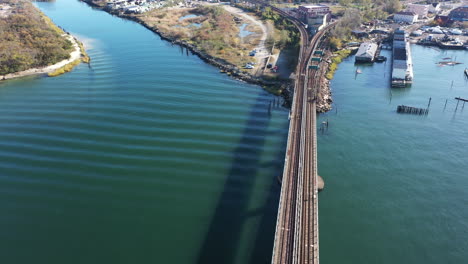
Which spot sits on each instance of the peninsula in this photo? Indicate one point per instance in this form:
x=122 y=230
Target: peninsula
x=31 y=44
x=243 y=41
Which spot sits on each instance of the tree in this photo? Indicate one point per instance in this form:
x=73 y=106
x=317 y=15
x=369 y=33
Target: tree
x=335 y=43
x=345 y=2
x=392 y=6
x=351 y=19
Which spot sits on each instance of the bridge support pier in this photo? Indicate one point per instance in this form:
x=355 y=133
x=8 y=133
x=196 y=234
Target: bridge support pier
x=320 y=183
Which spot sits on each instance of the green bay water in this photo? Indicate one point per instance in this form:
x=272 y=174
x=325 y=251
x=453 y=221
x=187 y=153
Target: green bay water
x=148 y=156
x=396 y=185
x=152 y=156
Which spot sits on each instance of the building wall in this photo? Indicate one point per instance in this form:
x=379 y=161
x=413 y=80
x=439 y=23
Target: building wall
x=314 y=10
x=318 y=21
x=306 y=12
x=405 y=18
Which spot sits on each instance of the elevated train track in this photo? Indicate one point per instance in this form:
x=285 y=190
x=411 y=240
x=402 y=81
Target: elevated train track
x=296 y=236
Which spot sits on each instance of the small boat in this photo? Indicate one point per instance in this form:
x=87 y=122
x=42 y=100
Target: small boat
x=358 y=71
x=449 y=63
x=447 y=58
x=381 y=59
x=466 y=72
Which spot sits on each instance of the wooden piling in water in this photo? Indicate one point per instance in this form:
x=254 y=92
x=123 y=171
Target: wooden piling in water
x=403 y=109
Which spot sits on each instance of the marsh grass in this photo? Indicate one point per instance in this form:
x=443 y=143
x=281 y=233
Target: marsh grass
x=65 y=69
x=337 y=58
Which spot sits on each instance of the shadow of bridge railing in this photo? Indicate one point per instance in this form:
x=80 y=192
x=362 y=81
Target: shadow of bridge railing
x=223 y=239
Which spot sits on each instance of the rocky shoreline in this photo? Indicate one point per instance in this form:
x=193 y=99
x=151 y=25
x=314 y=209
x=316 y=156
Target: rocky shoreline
x=324 y=98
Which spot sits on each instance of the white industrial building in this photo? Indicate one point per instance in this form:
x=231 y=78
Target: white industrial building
x=366 y=52
x=408 y=17
x=315 y=16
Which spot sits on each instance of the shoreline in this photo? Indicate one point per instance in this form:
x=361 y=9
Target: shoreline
x=278 y=88
x=284 y=88
x=324 y=104
x=75 y=55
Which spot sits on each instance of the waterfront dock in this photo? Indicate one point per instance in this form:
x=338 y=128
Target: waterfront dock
x=402 y=65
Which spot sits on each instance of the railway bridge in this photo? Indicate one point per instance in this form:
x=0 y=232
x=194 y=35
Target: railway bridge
x=297 y=229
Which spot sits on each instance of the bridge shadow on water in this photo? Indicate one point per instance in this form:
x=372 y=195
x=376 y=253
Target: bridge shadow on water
x=222 y=243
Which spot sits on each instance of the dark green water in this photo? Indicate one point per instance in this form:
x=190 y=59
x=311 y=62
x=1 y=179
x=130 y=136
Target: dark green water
x=396 y=185
x=150 y=156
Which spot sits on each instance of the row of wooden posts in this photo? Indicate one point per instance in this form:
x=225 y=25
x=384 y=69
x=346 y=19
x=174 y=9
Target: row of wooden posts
x=275 y=103
x=424 y=111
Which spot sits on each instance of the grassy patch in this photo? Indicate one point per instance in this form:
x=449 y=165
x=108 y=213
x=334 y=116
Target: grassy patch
x=337 y=58
x=84 y=56
x=273 y=89
x=51 y=24
x=217 y=34
x=65 y=68
x=337 y=10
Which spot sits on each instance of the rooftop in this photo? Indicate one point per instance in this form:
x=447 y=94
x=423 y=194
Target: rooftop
x=399 y=54
x=399 y=31
x=406 y=13
x=367 y=49
x=398 y=73
x=313 y=6
x=461 y=9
